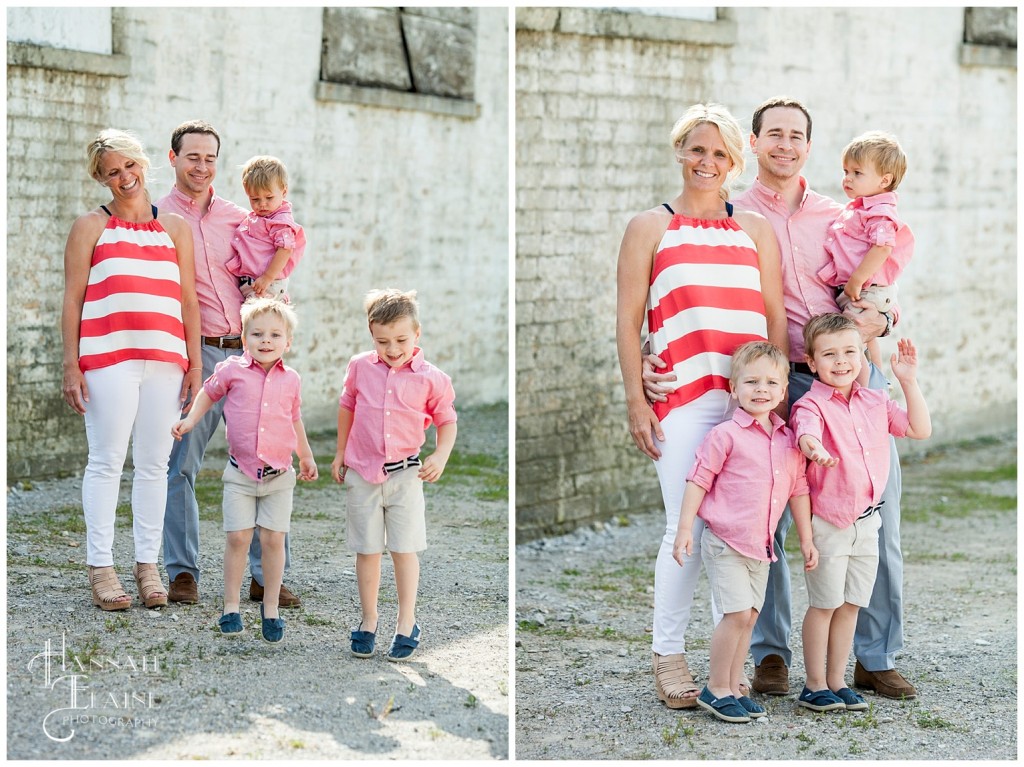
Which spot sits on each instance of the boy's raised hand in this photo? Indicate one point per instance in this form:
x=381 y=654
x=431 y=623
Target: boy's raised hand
x=816 y=452
x=904 y=362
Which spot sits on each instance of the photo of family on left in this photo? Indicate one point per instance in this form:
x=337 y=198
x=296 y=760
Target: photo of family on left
x=257 y=459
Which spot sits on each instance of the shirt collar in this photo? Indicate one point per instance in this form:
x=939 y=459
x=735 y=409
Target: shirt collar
x=769 y=195
x=415 y=363
x=745 y=419
x=885 y=198
x=249 y=362
x=188 y=203
x=829 y=392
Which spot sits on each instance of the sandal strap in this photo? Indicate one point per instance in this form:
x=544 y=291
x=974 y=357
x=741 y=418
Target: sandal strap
x=105 y=584
x=673 y=674
x=148 y=577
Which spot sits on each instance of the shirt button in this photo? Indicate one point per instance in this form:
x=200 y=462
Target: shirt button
x=387 y=412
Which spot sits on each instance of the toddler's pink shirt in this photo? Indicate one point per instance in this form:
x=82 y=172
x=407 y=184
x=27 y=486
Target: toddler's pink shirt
x=259 y=413
x=392 y=408
x=857 y=433
x=749 y=476
x=257 y=239
x=864 y=223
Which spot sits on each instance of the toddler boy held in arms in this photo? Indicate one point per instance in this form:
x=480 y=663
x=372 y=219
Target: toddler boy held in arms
x=391 y=395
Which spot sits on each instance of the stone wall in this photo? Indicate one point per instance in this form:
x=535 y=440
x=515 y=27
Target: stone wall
x=596 y=95
x=411 y=192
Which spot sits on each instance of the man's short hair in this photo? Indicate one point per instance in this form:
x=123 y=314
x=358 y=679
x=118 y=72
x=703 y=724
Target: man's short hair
x=778 y=101
x=192 y=126
x=384 y=307
x=881 y=150
x=260 y=173
x=256 y=306
x=823 y=324
x=755 y=350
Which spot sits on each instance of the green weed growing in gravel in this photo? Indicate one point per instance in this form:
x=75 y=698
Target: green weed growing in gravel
x=471 y=701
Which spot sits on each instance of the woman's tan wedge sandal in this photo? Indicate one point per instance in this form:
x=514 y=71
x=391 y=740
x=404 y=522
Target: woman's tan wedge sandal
x=672 y=680
x=151 y=590
x=107 y=592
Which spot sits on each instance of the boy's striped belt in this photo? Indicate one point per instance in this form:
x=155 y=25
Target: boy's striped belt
x=261 y=473
x=871 y=510
x=405 y=463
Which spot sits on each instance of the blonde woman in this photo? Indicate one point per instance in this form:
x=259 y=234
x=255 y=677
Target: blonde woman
x=707 y=278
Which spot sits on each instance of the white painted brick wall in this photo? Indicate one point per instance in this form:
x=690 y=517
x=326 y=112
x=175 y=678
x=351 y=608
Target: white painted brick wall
x=584 y=168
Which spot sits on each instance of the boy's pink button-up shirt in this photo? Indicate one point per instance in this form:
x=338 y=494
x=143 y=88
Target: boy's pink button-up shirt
x=257 y=239
x=857 y=433
x=216 y=288
x=864 y=223
x=392 y=409
x=260 y=411
x=749 y=476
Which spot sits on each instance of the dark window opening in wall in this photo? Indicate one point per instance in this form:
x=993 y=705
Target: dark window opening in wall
x=990 y=38
x=428 y=52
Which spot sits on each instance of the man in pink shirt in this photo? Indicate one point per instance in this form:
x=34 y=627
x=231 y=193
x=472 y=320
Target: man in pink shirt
x=800 y=217
x=746 y=470
x=844 y=429
x=195 y=146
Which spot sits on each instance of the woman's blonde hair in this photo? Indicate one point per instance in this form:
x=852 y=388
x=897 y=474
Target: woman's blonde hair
x=122 y=142
x=732 y=136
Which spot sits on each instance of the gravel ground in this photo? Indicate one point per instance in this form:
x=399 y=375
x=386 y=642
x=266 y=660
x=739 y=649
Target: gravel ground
x=584 y=688
x=162 y=684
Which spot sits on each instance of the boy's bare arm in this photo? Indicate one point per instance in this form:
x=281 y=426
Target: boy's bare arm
x=692 y=498
x=344 y=427
x=871 y=263
x=200 y=405
x=273 y=270
x=800 y=506
x=307 y=465
x=433 y=465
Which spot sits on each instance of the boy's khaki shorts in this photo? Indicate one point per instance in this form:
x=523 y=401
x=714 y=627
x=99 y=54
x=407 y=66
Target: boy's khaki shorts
x=847 y=563
x=248 y=503
x=737 y=582
x=390 y=515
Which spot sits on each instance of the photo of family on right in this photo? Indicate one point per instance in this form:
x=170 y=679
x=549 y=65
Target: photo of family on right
x=797 y=351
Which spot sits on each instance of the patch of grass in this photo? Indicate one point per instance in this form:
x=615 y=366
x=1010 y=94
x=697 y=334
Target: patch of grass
x=315 y=620
x=471 y=701
x=928 y=721
x=998 y=474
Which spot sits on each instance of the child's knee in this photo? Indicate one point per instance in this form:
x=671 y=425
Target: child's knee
x=237 y=539
x=272 y=539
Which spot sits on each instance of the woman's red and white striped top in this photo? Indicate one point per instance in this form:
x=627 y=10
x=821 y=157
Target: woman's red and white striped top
x=705 y=301
x=132 y=308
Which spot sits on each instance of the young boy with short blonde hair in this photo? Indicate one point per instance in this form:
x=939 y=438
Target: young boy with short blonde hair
x=259 y=478
x=391 y=395
x=744 y=473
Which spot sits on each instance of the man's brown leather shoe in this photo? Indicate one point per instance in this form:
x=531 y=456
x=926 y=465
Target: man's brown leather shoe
x=183 y=589
x=889 y=683
x=284 y=599
x=771 y=677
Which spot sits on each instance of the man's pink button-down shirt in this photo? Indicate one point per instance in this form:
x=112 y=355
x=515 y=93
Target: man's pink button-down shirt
x=801 y=239
x=260 y=411
x=257 y=239
x=217 y=289
x=749 y=476
x=857 y=433
x=864 y=223
x=392 y=408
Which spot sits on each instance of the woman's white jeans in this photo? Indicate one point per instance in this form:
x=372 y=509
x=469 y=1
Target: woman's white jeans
x=684 y=429
x=137 y=399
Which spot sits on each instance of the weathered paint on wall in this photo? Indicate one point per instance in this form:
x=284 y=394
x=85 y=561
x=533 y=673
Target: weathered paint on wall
x=388 y=197
x=593 y=113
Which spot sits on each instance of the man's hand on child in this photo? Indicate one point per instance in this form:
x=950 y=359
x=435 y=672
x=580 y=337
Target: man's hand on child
x=683 y=544
x=338 y=468
x=308 y=470
x=816 y=452
x=432 y=468
x=904 y=362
